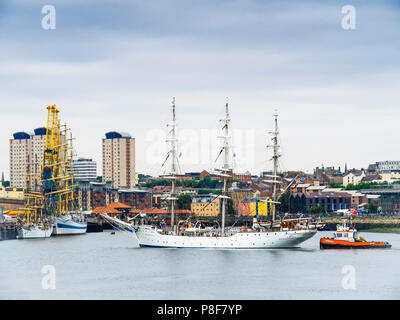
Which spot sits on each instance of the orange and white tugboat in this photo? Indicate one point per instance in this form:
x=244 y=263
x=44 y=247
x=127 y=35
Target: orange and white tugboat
x=346 y=237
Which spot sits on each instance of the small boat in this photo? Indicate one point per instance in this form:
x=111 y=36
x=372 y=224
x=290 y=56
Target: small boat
x=346 y=237
x=69 y=225
x=43 y=230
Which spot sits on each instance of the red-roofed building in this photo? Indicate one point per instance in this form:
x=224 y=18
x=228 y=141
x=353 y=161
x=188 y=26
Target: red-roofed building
x=115 y=208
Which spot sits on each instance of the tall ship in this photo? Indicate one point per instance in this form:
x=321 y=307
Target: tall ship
x=36 y=224
x=51 y=206
x=274 y=234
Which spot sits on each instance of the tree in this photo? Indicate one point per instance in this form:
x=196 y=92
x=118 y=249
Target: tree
x=335 y=185
x=284 y=200
x=184 y=201
x=317 y=209
x=372 y=208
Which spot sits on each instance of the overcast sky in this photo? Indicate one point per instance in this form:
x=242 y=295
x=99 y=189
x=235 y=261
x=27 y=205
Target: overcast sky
x=115 y=65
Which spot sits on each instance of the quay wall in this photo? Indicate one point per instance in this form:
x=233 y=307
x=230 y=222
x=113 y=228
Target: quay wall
x=8 y=231
x=364 y=223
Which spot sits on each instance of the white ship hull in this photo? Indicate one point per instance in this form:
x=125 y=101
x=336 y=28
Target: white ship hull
x=33 y=232
x=148 y=236
x=65 y=225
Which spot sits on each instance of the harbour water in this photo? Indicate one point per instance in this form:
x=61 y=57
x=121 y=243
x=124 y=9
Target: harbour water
x=105 y=266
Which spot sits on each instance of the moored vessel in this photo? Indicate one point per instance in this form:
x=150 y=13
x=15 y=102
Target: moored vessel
x=276 y=234
x=58 y=178
x=69 y=225
x=34 y=231
x=50 y=203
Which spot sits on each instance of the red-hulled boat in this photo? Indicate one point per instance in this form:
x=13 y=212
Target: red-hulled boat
x=346 y=237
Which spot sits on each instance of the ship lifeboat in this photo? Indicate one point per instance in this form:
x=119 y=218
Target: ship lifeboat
x=346 y=237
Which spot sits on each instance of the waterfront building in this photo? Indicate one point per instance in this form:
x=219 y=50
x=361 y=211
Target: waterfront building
x=384 y=166
x=205 y=173
x=357 y=198
x=315 y=189
x=353 y=177
x=206 y=205
x=300 y=187
x=374 y=199
x=95 y=194
x=389 y=199
x=11 y=198
x=11 y=193
x=189 y=176
x=330 y=201
x=85 y=169
x=259 y=206
x=136 y=198
x=119 y=160
x=113 y=209
x=388 y=176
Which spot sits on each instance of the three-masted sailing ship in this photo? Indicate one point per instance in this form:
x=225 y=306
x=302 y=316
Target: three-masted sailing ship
x=276 y=234
x=50 y=203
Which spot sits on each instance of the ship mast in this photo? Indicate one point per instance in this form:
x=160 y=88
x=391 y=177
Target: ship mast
x=173 y=172
x=275 y=157
x=226 y=168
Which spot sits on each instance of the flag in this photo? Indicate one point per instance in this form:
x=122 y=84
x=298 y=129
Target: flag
x=180 y=154
x=234 y=155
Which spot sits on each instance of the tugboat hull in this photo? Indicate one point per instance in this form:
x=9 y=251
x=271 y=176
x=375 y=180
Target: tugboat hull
x=326 y=243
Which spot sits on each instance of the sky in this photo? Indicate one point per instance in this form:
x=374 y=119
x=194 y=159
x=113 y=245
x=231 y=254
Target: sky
x=115 y=65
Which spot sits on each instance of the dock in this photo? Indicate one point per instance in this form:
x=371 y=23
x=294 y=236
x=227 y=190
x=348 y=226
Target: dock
x=8 y=231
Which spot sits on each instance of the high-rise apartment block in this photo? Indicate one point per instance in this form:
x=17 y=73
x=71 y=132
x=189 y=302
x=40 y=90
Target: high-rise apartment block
x=85 y=170
x=119 y=160
x=26 y=157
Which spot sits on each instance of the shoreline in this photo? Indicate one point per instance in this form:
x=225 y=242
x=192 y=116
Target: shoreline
x=367 y=224
x=383 y=230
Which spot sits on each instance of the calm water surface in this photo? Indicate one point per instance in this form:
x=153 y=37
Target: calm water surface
x=105 y=266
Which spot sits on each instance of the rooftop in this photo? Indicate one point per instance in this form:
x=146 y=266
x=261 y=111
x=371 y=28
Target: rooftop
x=117 y=135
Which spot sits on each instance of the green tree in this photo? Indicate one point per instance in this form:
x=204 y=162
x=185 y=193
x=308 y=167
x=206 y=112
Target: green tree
x=184 y=201
x=284 y=200
x=371 y=208
x=317 y=209
x=160 y=182
x=335 y=185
